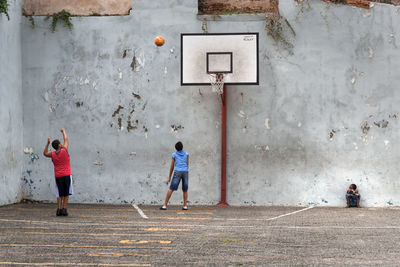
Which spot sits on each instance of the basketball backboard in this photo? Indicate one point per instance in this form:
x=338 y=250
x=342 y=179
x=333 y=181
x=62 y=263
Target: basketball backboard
x=233 y=54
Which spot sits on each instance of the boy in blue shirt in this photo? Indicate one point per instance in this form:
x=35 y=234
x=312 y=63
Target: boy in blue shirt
x=180 y=168
x=352 y=196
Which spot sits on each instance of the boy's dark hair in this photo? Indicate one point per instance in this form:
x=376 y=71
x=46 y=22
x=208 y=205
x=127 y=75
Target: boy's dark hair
x=55 y=144
x=179 y=146
x=353 y=186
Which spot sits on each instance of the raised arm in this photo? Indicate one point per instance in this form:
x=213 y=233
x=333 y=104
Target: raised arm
x=65 y=139
x=171 y=169
x=46 y=152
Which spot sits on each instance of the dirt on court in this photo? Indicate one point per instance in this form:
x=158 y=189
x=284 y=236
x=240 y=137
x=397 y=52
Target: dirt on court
x=120 y=235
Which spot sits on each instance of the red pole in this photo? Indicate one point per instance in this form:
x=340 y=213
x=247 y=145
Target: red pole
x=223 y=148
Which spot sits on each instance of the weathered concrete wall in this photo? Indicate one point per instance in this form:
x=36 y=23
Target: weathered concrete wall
x=325 y=114
x=10 y=105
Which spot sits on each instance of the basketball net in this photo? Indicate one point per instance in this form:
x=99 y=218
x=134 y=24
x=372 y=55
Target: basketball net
x=217 y=82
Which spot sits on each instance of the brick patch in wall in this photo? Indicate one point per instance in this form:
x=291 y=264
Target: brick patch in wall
x=77 y=7
x=215 y=7
x=357 y=3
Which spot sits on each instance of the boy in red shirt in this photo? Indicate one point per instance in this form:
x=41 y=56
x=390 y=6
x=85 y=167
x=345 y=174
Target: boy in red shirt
x=62 y=172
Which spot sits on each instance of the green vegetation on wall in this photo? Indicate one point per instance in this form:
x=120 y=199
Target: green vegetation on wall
x=278 y=28
x=4 y=8
x=64 y=16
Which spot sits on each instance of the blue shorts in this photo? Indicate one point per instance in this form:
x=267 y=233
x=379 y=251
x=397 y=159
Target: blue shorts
x=353 y=199
x=178 y=176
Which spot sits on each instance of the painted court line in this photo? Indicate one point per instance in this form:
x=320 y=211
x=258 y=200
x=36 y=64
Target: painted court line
x=290 y=213
x=140 y=211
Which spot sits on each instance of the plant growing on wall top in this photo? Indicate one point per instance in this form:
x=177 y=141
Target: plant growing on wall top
x=64 y=16
x=4 y=8
x=277 y=27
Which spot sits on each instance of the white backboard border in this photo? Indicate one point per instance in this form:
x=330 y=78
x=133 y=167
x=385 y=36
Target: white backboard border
x=246 y=36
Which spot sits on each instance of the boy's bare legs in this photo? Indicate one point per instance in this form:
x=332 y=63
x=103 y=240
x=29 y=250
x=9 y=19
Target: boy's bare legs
x=65 y=202
x=348 y=202
x=185 y=196
x=169 y=193
x=358 y=202
x=59 y=203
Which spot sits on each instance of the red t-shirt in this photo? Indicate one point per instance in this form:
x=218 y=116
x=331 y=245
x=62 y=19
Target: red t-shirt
x=61 y=163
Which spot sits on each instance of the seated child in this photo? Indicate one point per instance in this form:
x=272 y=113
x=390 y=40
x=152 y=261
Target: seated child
x=353 y=197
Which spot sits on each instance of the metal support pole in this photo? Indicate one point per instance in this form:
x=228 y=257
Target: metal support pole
x=223 y=147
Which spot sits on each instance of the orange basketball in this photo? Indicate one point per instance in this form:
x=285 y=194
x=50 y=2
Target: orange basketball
x=159 y=41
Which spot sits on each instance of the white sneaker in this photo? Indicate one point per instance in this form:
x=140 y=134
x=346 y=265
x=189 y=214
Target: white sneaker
x=184 y=208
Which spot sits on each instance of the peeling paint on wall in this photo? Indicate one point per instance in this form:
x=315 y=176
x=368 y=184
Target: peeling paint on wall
x=116 y=112
x=382 y=123
x=176 y=128
x=266 y=123
x=97 y=162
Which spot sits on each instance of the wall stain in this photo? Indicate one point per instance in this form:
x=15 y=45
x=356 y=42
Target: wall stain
x=382 y=123
x=124 y=54
x=79 y=104
x=136 y=96
x=120 y=123
x=365 y=127
x=133 y=64
x=33 y=157
x=176 y=128
x=130 y=126
x=332 y=133
x=117 y=110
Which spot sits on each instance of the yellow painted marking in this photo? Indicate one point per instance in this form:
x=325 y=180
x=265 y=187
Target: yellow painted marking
x=117 y=255
x=188 y=218
x=144 y=241
x=72 y=264
x=77 y=246
x=154 y=229
x=197 y=213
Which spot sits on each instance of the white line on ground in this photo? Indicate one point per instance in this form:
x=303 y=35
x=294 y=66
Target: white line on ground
x=290 y=213
x=140 y=211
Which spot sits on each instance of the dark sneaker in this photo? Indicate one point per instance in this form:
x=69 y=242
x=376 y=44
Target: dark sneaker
x=163 y=208
x=64 y=212
x=58 y=212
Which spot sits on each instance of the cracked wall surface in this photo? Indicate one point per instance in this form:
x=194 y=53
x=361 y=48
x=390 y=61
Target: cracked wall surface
x=324 y=115
x=10 y=105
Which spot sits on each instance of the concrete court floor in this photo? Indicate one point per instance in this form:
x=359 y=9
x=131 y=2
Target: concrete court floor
x=117 y=235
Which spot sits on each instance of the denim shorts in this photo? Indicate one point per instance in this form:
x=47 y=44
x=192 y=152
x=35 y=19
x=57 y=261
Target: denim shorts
x=353 y=199
x=178 y=176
